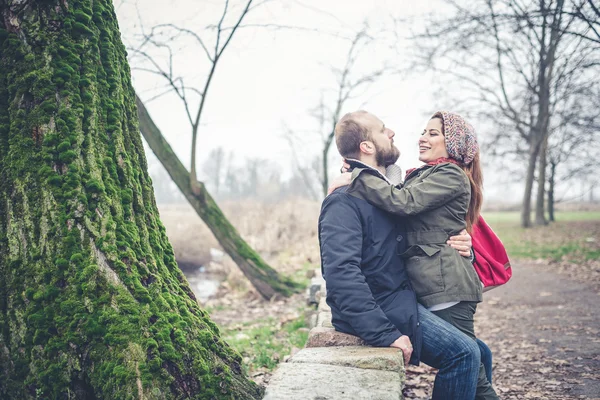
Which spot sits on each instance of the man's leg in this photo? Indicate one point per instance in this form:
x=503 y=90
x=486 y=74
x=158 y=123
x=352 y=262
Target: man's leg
x=486 y=355
x=455 y=355
x=461 y=316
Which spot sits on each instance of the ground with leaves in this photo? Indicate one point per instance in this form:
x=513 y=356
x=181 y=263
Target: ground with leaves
x=543 y=329
x=543 y=326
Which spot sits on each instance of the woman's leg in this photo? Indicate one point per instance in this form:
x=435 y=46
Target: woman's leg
x=461 y=315
x=486 y=359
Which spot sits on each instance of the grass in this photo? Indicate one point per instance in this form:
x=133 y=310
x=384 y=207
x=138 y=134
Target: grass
x=264 y=343
x=574 y=237
x=515 y=216
x=300 y=276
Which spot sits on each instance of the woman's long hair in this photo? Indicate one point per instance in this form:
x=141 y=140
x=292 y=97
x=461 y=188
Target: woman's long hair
x=475 y=175
x=473 y=171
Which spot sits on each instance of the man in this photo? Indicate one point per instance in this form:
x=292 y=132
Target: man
x=367 y=286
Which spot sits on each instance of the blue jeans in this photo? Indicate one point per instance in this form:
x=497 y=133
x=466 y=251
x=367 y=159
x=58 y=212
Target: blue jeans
x=454 y=354
x=486 y=359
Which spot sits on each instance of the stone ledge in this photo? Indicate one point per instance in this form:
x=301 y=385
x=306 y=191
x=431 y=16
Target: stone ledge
x=329 y=337
x=324 y=320
x=315 y=290
x=380 y=358
x=323 y=306
x=308 y=381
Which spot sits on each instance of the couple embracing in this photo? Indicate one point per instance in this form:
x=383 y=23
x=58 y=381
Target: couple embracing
x=397 y=256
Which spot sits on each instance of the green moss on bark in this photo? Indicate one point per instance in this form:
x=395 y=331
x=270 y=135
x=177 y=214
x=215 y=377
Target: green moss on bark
x=92 y=303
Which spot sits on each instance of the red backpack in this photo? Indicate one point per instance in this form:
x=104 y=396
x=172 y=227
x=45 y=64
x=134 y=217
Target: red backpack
x=491 y=261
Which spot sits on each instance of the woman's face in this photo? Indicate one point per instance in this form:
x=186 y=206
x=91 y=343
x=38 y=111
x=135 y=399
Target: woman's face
x=432 y=144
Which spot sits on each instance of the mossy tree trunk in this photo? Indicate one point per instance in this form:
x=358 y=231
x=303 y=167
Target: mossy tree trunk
x=265 y=279
x=92 y=303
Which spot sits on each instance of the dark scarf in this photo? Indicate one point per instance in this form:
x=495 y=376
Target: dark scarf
x=440 y=160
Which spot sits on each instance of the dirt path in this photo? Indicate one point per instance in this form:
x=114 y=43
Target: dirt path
x=544 y=331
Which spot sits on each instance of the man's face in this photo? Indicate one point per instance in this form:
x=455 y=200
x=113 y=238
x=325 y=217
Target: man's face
x=383 y=140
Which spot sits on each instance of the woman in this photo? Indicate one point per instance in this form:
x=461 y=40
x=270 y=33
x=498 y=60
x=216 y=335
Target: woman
x=438 y=200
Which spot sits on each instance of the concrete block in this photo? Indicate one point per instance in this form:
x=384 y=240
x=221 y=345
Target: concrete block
x=312 y=294
x=380 y=358
x=323 y=306
x=307 y=381
x=315 y=290
x=324 y=320
x=328 y=337
x=312 y=319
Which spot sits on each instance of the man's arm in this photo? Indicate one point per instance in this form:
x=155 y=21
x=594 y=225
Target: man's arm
x=340 y=236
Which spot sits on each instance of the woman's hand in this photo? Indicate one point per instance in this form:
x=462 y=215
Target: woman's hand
x=345 y=167
x=342 y=180
x=462 y=243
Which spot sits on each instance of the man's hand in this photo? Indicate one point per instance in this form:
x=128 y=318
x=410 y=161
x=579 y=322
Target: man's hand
x=462 y=243
x=339 y=181
x=403 y=343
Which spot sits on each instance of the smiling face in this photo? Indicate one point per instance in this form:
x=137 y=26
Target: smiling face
x=432 y=143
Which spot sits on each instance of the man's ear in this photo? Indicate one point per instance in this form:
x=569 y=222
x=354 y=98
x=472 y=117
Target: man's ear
x=367 y=147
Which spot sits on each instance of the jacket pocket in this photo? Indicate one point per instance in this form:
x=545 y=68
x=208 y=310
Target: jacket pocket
x=425 y=269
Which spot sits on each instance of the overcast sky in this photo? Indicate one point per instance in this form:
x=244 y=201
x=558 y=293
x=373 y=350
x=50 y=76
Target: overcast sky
x=271 y=78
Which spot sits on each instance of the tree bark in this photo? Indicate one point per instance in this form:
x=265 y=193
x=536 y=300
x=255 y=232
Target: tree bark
x=92 y=302
x=540 y=217
x=539 y=134
x=529 y=178
x=551 y=182
x=264 y=278
x=325 y=179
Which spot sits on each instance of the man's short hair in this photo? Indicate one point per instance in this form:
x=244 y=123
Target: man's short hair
x=350 y=133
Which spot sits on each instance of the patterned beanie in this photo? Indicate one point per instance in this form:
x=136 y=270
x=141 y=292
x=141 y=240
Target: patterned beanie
x=461 y=140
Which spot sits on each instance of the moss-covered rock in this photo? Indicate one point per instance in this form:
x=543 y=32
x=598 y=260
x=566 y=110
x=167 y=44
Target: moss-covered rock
x=92 y=303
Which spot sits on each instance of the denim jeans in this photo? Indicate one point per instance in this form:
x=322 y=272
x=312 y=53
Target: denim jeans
x=461 y=316
x=454 y=354
x=486 y=359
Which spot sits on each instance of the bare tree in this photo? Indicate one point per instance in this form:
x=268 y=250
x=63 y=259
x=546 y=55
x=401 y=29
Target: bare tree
x=574 y=142
x=265 y=279
x=146 y=58
x=589 y=13
x=213 y=168
x=303 y=169
x=350 y=82
x=513 y=57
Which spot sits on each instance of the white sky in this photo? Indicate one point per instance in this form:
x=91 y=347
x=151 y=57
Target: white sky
x=269 y=79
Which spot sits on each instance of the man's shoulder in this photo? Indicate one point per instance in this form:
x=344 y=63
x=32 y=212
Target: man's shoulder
x=342 y=202
x=339 y=195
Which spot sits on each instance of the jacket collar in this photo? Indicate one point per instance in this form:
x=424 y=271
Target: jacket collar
x=357 y=164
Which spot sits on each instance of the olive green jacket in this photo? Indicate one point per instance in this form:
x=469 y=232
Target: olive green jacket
x=434 y=202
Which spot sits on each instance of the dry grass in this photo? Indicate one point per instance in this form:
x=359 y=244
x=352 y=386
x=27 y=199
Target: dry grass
x=284 y=234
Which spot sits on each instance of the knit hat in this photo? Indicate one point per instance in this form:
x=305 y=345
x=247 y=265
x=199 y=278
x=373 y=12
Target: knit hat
x=461 y=140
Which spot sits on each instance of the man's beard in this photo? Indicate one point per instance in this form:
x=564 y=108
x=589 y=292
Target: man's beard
x=386 y=157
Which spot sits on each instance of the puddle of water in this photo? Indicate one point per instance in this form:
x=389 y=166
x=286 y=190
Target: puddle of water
x=202 y=283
